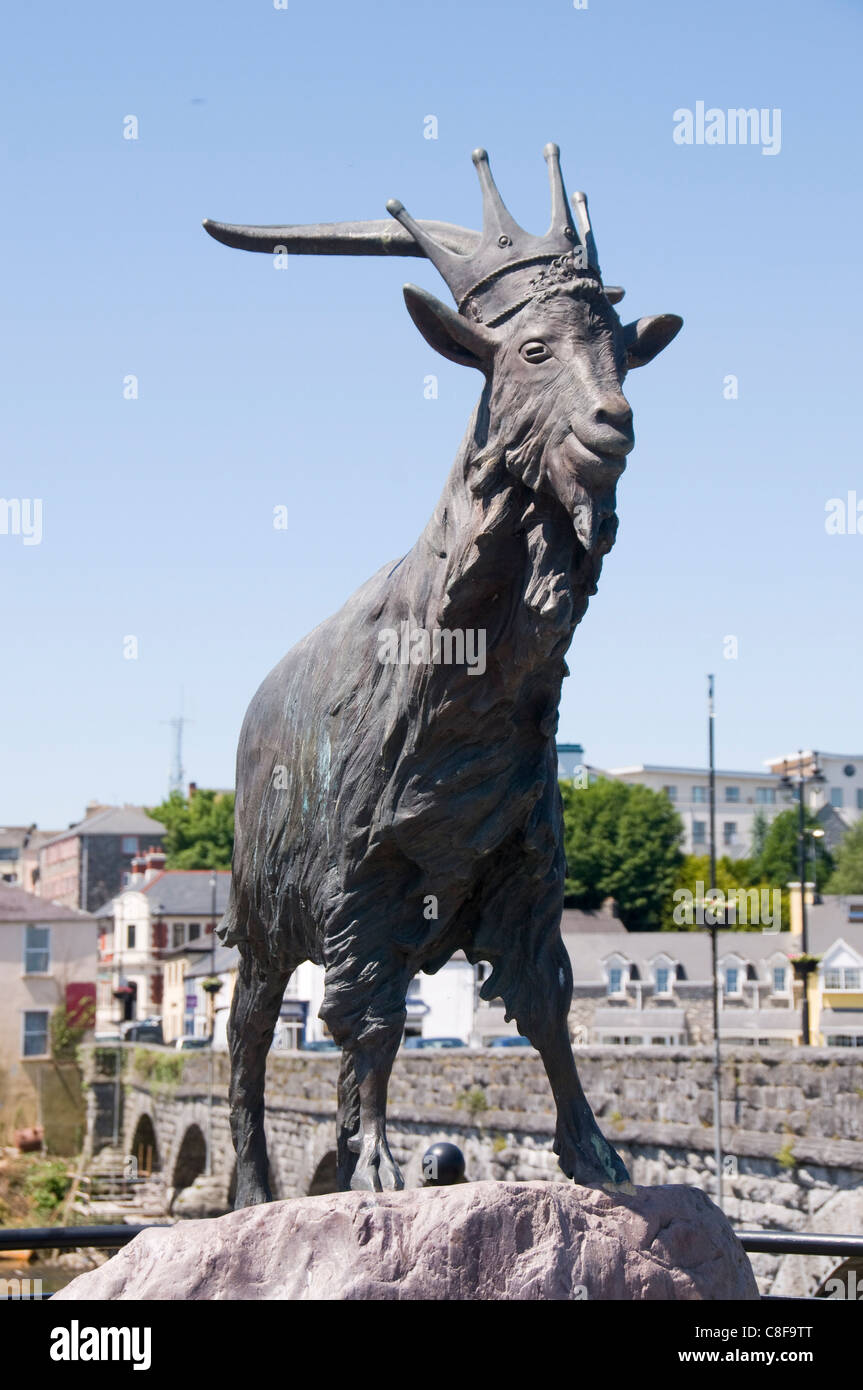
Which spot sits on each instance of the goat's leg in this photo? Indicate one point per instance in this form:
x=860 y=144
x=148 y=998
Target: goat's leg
x=541 y=1008
x=372 y=1059
x=584 y=1153
x=254 y=1010
x=347 y=1122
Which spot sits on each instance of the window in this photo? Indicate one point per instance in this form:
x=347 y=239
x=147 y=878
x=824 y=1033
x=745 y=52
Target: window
x=130 y=938
x=846 y=1040
x=194 y=931
x=842 y=979
x=837 y=797
x=663 y=979
x=780 y=975
x=130 y=844
x=732 y=793
x=860 y=798
x=177 y=934
x=765 y=796
x=699 y=794
x=37 y=950
x=729 y=832
x=35 y=1034
x=699 y=832
x=615 y=980
x=732 y=980
x=414 y=988
x=671 y=793
x=855 y=912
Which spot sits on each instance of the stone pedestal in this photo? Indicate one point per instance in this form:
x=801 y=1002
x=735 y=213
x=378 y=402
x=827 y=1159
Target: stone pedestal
x=479 y=1241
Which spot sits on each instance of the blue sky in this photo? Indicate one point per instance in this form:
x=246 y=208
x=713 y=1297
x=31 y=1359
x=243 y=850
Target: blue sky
x=305 y=387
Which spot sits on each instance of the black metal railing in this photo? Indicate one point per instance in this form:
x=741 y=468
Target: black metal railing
x=114 y=1237
x=70 y=1237
x=795 y=1243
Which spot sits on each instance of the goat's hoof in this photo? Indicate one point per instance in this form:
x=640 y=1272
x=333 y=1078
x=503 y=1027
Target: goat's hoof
x=593 y=1162
x=376 y=1170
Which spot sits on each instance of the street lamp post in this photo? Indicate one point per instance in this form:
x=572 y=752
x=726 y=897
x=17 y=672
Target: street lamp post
x=799 y=784
x=714 y=954
x=813 y=836
x=211 y=998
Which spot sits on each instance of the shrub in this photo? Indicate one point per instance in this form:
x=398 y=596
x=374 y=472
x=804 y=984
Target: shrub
x=46 y=1186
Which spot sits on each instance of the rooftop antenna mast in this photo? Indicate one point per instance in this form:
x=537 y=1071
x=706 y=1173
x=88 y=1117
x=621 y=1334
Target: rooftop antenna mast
x=177 y=780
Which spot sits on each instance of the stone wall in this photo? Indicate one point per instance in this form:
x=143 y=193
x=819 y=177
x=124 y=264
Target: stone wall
x=792 y=1123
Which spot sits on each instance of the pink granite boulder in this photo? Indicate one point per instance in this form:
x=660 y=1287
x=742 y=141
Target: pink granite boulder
x=484 y=1240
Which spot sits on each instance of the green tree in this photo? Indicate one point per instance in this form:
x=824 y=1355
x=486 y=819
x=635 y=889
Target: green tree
x=760 y=831
x=848 y=877
x=779 y=862
x=731 y=874
x=199 y=829
x=621 y=842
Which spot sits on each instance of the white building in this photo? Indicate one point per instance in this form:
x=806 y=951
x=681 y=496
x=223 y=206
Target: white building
x=841 y=788
x=740 y=796
x=157 y=921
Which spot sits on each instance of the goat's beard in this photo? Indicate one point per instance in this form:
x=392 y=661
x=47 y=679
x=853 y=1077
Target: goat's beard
x=590 y=507
x=534 y=446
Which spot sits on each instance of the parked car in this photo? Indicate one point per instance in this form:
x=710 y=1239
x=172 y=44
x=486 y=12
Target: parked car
x=190 y=1044
x=143 y=1033
x=320 y=1045
x=517 y=1041
x=415 y=1043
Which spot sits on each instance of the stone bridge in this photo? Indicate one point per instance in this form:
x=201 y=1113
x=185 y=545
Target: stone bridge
x=792 y=1126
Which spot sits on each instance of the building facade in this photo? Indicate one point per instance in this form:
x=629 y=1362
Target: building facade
x=153 y=930
x=654 y=988
x=86 y=865
x=840 y=788
x=741 y=797
x=19 y=854
x=47 y=962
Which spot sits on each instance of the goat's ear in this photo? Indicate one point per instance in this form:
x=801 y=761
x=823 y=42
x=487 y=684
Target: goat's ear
x=648 y=337
x=447 y=332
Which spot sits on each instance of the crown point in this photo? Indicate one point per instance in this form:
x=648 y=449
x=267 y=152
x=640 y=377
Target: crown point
x=551 y=151
x=394 y=207
x=480 y=156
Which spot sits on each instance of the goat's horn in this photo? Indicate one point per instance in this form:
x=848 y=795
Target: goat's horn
x=383 y=238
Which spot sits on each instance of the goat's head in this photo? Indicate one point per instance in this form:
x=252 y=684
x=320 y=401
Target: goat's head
x=535 y=317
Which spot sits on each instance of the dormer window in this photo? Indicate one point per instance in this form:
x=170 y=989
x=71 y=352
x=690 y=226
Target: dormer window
x=842 y=979
x=780 y=979
x=617 y=971
x=733 y=971
x=664 y=975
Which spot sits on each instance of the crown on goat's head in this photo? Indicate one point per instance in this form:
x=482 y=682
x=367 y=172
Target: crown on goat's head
x=510 y=267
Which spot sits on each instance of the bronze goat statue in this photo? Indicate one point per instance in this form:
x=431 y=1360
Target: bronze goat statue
x=390 y=813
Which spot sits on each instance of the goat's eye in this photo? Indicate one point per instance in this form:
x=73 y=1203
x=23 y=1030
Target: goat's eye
x=534 y=351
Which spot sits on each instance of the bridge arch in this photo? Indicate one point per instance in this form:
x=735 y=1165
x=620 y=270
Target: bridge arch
x=191 y=1159
x=144 y=1147
x=318 y=1173
x=325 y=1177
